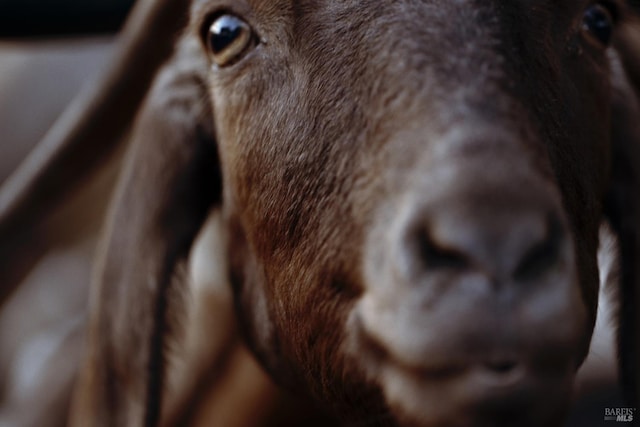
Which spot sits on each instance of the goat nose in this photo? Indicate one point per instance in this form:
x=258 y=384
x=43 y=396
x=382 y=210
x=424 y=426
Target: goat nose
x=510 y=244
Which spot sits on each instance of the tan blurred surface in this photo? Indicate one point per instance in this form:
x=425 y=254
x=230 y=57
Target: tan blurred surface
x=37 y=80
x=41 y=326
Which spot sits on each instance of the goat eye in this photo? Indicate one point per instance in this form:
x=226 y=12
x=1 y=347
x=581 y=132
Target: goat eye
x=598 y=22
x=228 y=38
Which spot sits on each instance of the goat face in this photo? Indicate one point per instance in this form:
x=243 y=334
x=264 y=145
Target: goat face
x=414 y=191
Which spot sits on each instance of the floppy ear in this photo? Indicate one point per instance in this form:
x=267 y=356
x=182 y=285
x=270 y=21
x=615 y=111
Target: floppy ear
x=89 y=132
x=170 y=181
x=622 y=205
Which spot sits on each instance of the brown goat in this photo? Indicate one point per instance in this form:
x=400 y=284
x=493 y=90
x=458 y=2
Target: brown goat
x=407 y=197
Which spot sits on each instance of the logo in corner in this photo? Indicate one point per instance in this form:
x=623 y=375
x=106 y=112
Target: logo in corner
x=620 y=415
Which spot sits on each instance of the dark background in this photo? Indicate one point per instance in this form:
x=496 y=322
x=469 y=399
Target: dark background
x=42 y=18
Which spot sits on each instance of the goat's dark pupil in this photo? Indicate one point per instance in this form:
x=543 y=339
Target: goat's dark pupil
x=224 y=34
x=598 y=21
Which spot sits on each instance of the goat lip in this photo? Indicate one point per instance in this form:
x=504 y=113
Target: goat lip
x=481 y=380
x=488 y=387
x=433 y=365
x=475 y=379
x=480 y=396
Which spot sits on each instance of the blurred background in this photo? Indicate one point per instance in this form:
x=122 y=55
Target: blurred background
x=49 y=51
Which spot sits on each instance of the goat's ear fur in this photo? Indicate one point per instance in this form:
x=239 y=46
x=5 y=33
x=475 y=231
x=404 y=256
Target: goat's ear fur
x=170 y=182
x=622 y=205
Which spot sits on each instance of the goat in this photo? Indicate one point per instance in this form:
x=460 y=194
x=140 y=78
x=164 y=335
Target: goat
x=407 y=195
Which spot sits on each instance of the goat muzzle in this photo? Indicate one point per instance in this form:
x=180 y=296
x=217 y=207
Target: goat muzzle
x=471 y=296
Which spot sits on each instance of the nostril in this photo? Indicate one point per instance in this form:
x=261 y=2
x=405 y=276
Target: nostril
x=436 y=256
x=542 y=256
